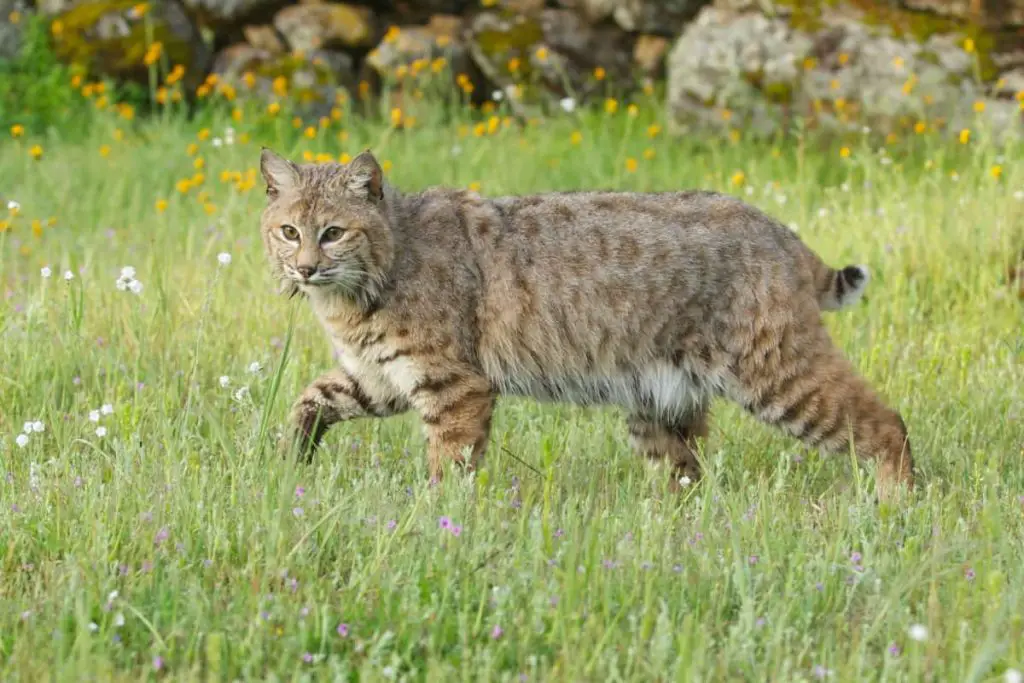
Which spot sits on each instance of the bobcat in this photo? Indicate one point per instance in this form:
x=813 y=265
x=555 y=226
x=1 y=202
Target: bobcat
x=439 y=301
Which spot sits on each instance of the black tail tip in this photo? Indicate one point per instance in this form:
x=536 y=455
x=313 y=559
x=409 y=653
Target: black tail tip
x=854 y=276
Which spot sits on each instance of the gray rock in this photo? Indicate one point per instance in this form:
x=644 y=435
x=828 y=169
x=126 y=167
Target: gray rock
x=843 y=75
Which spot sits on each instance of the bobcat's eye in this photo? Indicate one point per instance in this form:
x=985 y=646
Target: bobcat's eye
x=332 y=234
x=290 y=233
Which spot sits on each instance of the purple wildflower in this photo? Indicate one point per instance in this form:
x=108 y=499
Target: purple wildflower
x=753 y=559
x=895 y=650
x=855 y=557
x=969 y=574
x=496 y=632
x=307 y=657
x=147 y=566
x=444 y=523
x=820 y=672
x=298 y=512
x=299 y=491
x=677 y=568
x=343 y=630
x=392 y=524
x=456 y=530
x=559 y=533
x=304 y=612
x=158 y=663
x=161 y=535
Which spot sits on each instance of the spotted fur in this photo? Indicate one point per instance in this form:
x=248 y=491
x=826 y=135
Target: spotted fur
x=438 y=302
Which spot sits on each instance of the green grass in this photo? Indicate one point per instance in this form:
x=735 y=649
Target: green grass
x=569 y=544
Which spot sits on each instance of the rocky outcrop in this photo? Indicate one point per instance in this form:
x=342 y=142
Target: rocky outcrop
x=116 y=38
x=741 y=69
x=754 y=65
x=326 y=26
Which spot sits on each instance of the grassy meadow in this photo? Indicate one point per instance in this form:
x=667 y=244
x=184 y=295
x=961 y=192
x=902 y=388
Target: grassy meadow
x=149 y=530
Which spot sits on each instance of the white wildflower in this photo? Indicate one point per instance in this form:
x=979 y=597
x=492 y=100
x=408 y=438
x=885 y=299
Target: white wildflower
x=68 y=275
x=242 y=393
x=112 y=595
x=224 y=258
x=135 y=286
x=22 y=440
x=101 y=432
x=13 y=205
x=128 y=273
x=93 y=627
x=1019 y=195
x=107 y=409
x=94 y=416
x=497 y=95
x=822 y=212
x=1013 y=676
x=45 y=271
x=685 y=481
x=918 y=632
x=255 y=368
x=795 y=227
x=118 y=620
x=122 y=284
x=27 y=427
x=568 y=105
x=224 y=381
x=38 y=426
x=217 y=142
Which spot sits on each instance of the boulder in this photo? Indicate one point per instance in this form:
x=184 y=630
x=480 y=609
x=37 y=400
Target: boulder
x=309 y=27
x=313 y=82
x=745 y=70
x=552 y=55
x=414 y=55
x=227 y=14
x=111 y=38
x=659 y=17
x=993 y=13
x=12 y=18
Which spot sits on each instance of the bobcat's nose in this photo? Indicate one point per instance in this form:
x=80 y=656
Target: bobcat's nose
x=306 y=271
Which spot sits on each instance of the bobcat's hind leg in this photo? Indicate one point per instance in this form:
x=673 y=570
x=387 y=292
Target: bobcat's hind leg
x=805 y=386
x=672 y=442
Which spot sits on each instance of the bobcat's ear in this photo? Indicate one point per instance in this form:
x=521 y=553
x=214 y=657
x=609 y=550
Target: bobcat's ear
x=279 y=173
x=364 y=177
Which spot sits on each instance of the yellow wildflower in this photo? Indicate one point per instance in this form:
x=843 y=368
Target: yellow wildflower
x=541 y=54
x=36 y=152
x=996 y=171
x=649 y=153
x=611 y=105
x=576 y=137
x=17 y=130
x=965 y=136
x=104 y=151
x=310 y=132
x=738 y=178
x=979 y=106
x=273 y=108
x=396 y=117
x=844 y=152
x=203 y=134
x=153 y=54
x=969 y=45
x=631 y=165
x=599 y=73
x=474 y=186
x=199 y=163
x=161 y=205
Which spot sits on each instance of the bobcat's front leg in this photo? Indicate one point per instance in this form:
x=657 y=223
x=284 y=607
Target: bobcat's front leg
x=456 y=408
x=333 y=397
